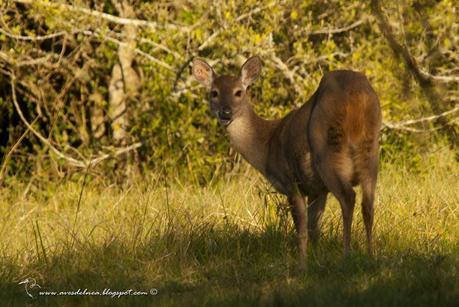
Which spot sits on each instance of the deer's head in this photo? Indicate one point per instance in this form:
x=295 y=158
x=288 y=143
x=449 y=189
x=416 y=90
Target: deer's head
x=228 y=94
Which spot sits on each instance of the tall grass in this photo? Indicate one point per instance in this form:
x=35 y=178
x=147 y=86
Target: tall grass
x=231 y=243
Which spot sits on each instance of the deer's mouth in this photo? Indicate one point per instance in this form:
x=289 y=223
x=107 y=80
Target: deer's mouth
x=225 y=120
x=225 y=117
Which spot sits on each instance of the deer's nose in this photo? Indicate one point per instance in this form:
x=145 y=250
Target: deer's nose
x=225 y=113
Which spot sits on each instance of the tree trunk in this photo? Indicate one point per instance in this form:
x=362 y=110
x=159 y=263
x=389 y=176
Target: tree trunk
x=124 y=83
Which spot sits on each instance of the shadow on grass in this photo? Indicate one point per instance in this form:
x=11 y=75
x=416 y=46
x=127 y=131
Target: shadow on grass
x=228 y=267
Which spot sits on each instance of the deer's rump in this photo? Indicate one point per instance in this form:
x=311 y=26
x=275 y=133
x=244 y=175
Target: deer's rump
x=344 y=126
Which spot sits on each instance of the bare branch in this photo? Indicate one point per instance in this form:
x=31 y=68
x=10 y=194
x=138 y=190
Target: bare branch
x=45 y=59
x=61 y=155
x=415 y=130
x=38 y=38
x=211 y=37
x=102 y=15
x=136 y=50
x=7 y=157
x=72 y=161
x=308 y=60
x=238 y=19
x=287 y=72
x=31 y=38
x=254 y=11
x=31 y=62
x=426 y=84
x=403 y=125
x=445 y=79
x=117 y=152
x=162 y=47
x=209 y=40
x=339 y=30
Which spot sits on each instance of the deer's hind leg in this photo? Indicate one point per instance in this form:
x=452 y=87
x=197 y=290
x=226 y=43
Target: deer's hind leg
x=316 y=206
x=335 y=170
x=368 y=177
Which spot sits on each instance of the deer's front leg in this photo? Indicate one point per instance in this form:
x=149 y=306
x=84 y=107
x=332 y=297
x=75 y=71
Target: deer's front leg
x=298 y=209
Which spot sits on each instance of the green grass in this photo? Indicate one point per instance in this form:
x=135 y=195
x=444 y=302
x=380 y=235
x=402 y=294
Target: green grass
x=228 y=244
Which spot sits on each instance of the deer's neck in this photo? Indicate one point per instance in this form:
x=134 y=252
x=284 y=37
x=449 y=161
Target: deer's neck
x=250 y=135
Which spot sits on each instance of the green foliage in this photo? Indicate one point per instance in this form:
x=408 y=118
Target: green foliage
x=170 y=115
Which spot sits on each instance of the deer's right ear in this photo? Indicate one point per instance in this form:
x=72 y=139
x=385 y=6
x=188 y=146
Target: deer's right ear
x=203 y=72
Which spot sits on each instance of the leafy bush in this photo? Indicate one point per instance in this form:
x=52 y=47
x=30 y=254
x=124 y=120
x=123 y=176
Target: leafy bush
x=68 y=84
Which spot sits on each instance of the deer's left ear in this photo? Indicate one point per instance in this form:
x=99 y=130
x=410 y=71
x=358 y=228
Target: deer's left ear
x=250 y=71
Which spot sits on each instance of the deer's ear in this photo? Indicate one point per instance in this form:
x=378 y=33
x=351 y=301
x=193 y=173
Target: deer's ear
x=203 y=72
x=250 y=70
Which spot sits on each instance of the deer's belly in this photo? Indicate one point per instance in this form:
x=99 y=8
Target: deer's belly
x=278 y=184
x=291 y=178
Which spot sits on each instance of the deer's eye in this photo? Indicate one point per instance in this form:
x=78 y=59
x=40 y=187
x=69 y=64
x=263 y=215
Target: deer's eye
x=214 y=94
x=238 y=93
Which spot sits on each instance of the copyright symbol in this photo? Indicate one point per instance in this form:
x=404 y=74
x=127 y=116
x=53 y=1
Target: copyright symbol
x=153 y=291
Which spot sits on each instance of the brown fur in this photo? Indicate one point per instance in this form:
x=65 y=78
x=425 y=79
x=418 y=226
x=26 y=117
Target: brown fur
x=330 y=144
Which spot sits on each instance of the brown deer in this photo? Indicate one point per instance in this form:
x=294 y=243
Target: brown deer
x=329 y=144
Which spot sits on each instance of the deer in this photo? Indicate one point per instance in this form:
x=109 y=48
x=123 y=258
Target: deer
x=328 y=145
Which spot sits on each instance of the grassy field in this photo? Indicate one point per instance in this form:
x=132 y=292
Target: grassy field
x=227 y=244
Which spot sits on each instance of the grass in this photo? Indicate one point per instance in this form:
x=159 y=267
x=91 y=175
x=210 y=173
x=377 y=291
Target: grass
x=228 y=244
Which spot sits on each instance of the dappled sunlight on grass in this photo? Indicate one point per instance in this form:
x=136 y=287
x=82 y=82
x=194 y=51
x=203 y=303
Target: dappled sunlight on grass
x=229 y=243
